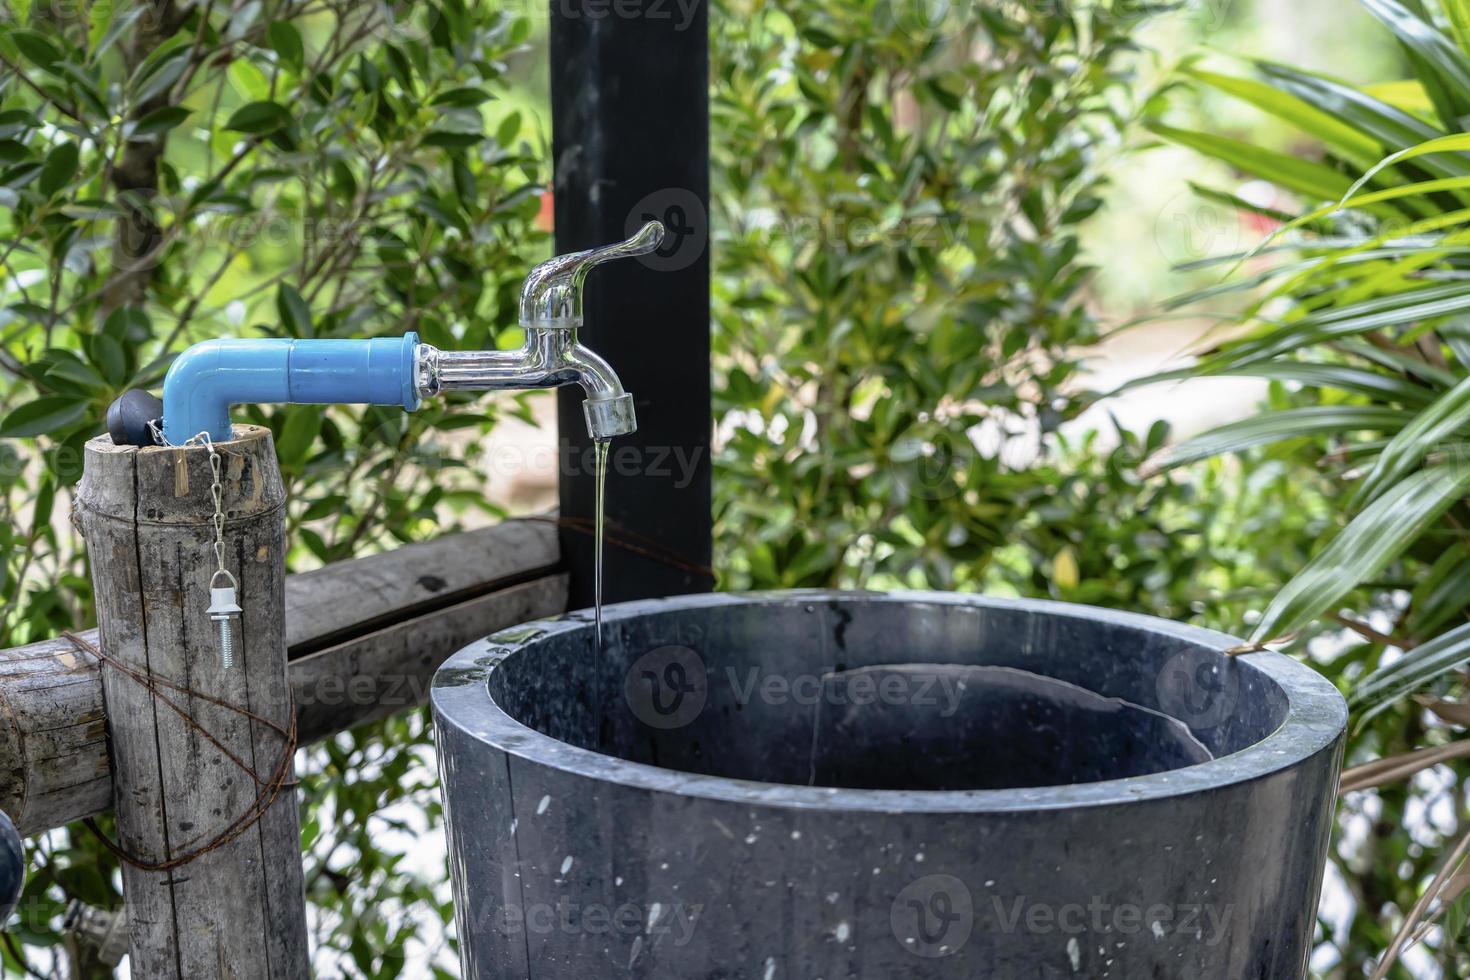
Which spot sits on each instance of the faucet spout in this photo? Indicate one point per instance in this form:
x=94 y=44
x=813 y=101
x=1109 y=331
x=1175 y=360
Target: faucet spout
x=608 y=408
x=550 y=358
x=551 y=313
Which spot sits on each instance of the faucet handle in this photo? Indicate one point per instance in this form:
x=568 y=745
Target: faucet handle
x=552 y=294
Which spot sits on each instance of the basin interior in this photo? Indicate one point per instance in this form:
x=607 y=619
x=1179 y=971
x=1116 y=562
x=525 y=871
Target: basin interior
x=889 y=695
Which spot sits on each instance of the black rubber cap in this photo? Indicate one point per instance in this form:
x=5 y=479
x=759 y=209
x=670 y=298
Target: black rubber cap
x=128 y=418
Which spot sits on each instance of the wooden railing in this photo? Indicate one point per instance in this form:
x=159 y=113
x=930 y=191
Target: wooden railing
x=363 y=639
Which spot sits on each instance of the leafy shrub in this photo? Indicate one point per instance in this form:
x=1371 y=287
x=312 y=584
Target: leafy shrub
x=897 y=271
x=172 y=172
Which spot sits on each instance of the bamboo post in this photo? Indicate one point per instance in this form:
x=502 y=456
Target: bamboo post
x=237 y=911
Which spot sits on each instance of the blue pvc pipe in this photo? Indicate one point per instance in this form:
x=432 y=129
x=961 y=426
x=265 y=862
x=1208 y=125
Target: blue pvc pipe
x=211 y=376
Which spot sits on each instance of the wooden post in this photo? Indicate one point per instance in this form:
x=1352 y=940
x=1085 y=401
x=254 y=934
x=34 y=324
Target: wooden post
x=238 y=911
x=630 y=138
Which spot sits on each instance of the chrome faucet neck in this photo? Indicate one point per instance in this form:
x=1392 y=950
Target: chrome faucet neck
x=551 y=312
x=551 y=297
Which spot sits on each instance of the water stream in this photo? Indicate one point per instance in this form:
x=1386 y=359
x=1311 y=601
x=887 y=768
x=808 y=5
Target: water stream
x=601 y=446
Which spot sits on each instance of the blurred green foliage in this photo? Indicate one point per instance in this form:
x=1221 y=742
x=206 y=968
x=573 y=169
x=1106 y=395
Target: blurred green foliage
x=1359 y=302
x=900 y=303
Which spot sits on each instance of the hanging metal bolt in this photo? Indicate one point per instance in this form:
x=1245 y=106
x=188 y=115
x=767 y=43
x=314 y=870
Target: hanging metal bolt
x=224 y=612
x=224 y=607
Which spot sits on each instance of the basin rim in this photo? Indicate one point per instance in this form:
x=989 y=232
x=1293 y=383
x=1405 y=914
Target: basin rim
x=1315 y=722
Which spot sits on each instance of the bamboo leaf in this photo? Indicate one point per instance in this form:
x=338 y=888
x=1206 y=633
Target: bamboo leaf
x=1417 y=667
x=1435 y=52
x=1448 y=415
x=1351 y=141
x=1406 y=94
x=1292 y=173
x=1387 y=124
x=1364 y=548
x=1377 y=385
x=1455 y=143
x=1260 y=430
x=1440 y=597
x=1458 y=12
x=1335 y=324
x=1355 y=200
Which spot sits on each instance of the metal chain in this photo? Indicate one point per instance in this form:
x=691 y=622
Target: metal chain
x=223 y=608
x=216 y=489
x=216 y=492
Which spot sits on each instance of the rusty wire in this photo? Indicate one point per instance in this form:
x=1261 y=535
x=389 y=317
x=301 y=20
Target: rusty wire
x=270 y=788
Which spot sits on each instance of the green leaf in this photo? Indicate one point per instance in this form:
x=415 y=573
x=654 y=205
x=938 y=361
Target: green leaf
x=117 y=26
x=59 y=168
x=99 y=19
x=258 y=118
x=42 y=416
x=452 y=140
x=508 y=129
x=65 y=367
x=1385 y=123
x=1352 y=142
x=1364 y=548
x=285 y=40
x=295 y=314
x=1429 y=430
x=1458 y=12
x=1260 y=430
x=1417 y=667
x=1434 y=50
x=466 y=97
x=1457 y=143
x=1292 y=173
x=159 y=71
x=161 y=120
x=297 y=435
x=36 y=48
x=13 y=151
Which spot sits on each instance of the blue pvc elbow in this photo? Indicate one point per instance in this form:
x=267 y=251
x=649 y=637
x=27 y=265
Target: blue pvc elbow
x=211 y=376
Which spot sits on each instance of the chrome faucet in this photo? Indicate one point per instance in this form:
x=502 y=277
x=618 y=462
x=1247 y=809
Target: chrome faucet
x=211 y=376
x=551 y=313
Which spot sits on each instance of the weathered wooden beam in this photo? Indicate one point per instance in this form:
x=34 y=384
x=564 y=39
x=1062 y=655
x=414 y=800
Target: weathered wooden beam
x=237 y=908
x=388 y=670
x=363 y=636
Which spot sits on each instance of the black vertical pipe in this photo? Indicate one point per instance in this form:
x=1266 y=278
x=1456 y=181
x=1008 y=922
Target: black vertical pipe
x=630 y=136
